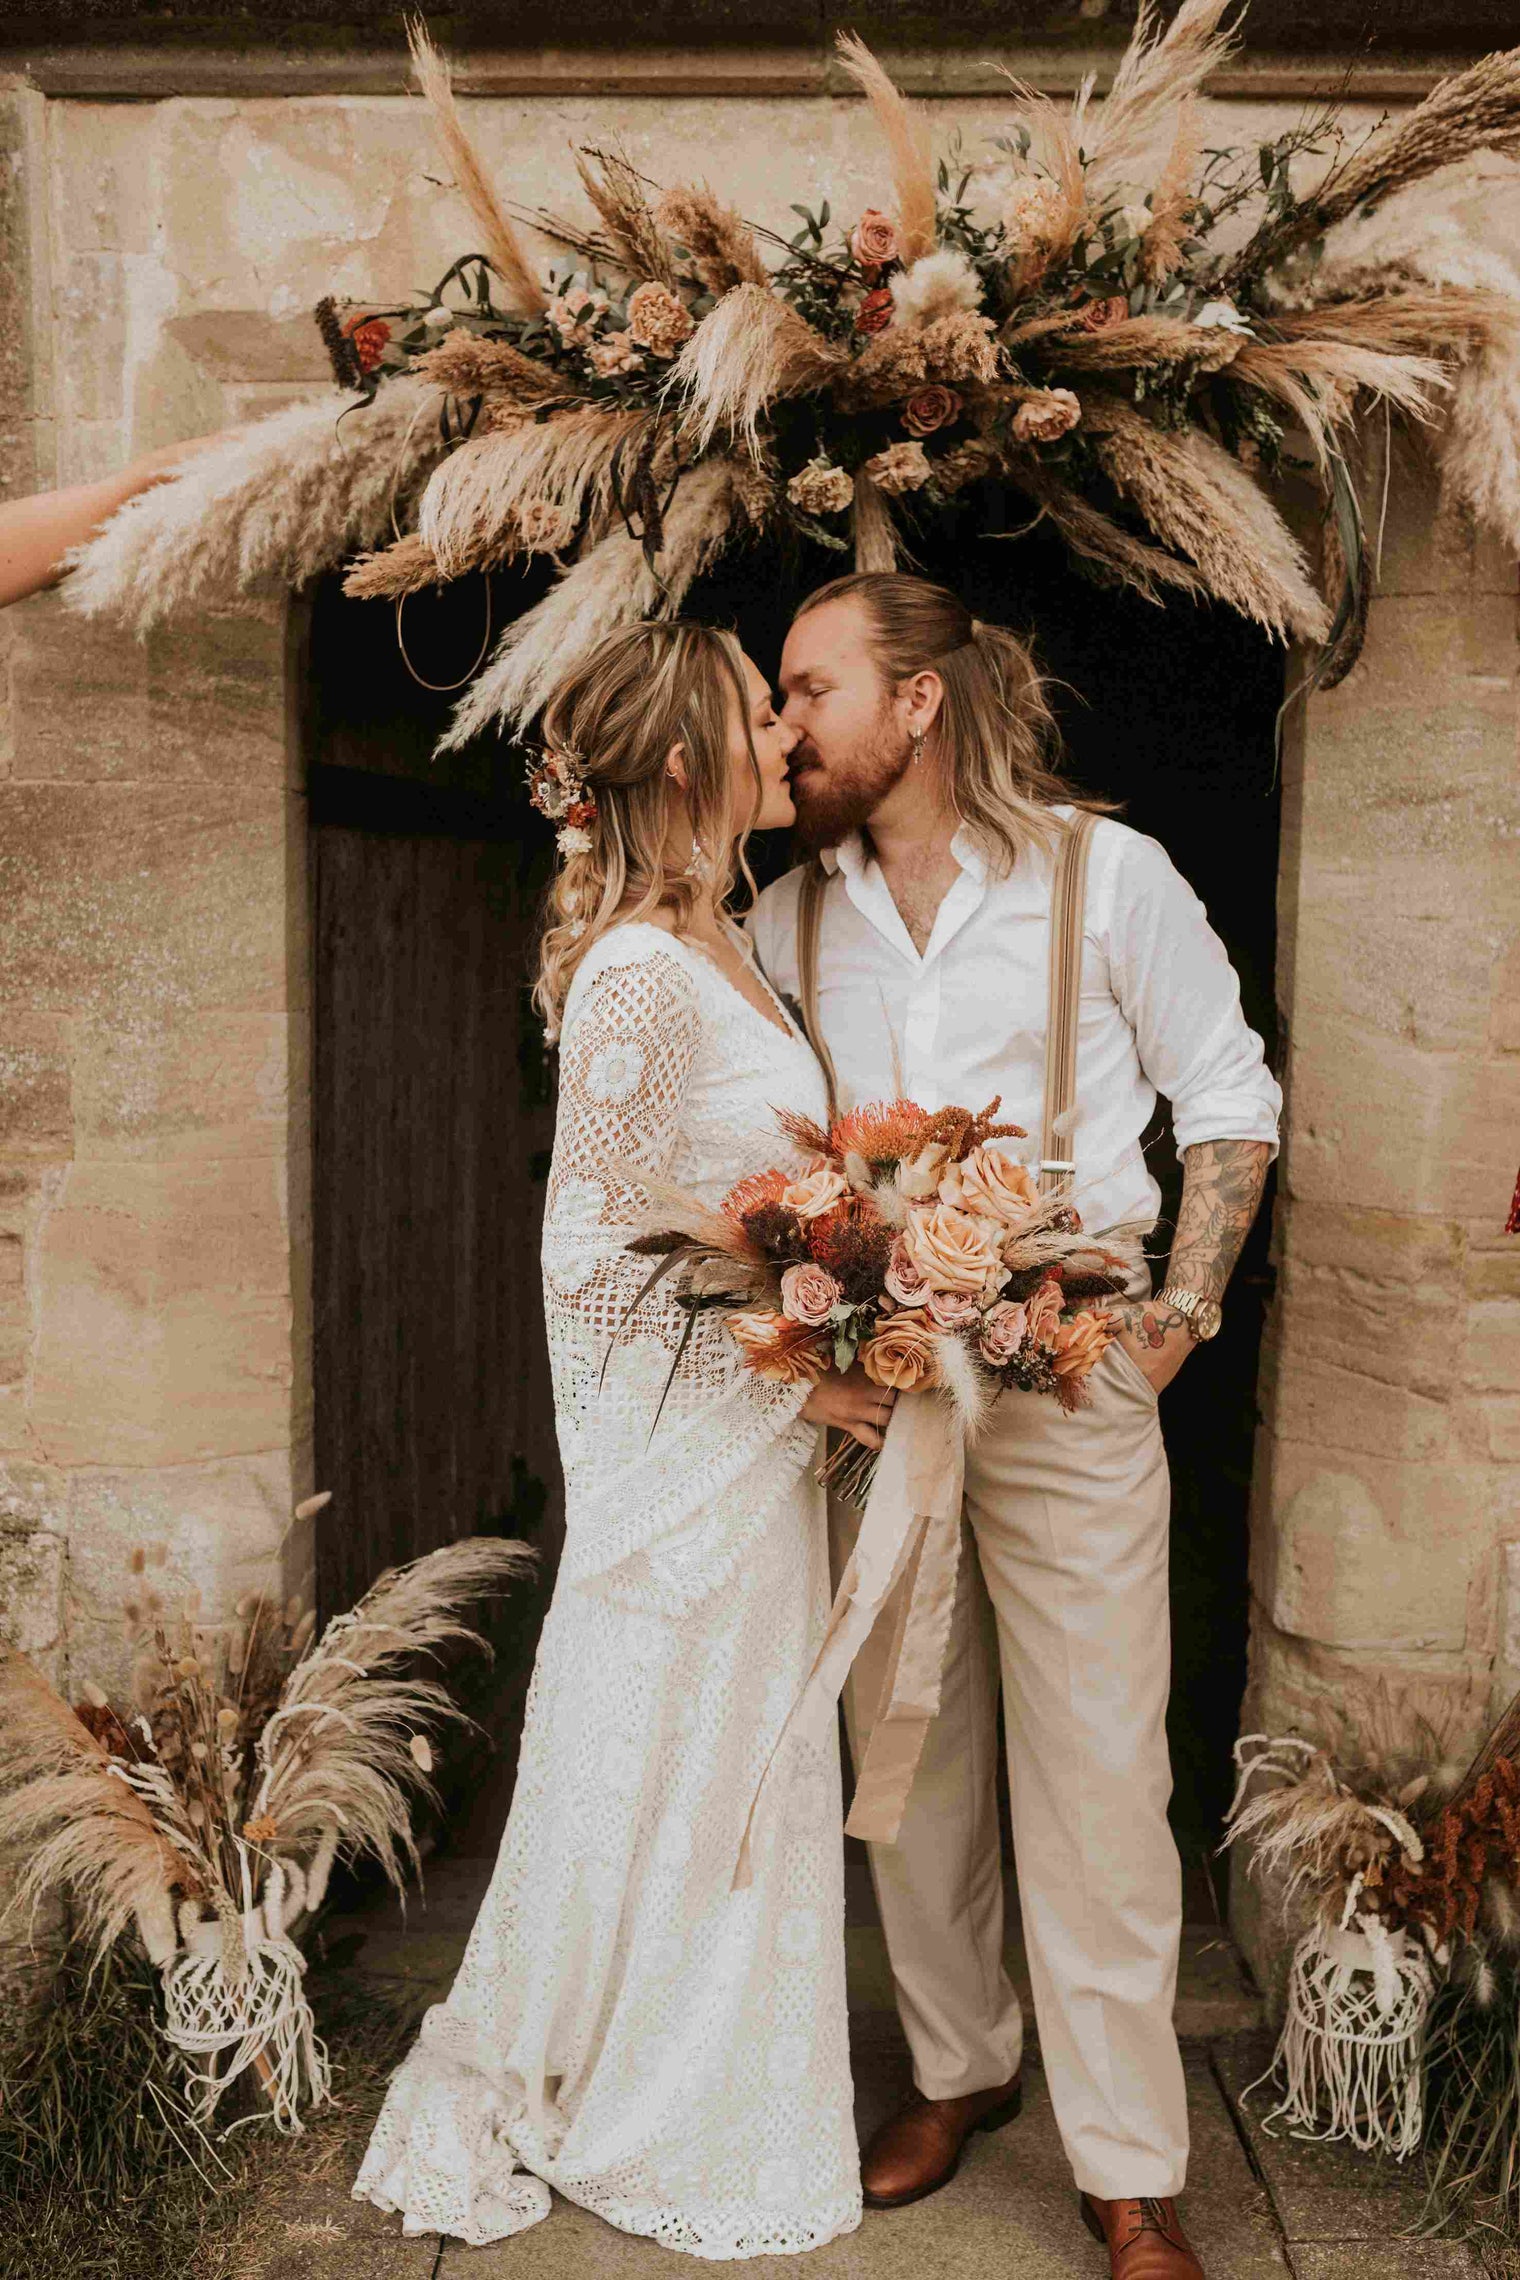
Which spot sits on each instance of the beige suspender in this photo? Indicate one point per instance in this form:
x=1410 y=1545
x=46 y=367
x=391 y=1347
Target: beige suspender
x=1067 y=906
x=809 y=912
x=1068 y=903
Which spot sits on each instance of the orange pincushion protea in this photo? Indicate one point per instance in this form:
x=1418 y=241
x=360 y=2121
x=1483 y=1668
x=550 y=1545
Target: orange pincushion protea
x=881 y=1132
x=760 y=1187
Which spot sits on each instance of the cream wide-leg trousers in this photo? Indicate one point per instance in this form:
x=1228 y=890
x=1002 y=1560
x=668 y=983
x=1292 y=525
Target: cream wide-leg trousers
x=1063 y=1589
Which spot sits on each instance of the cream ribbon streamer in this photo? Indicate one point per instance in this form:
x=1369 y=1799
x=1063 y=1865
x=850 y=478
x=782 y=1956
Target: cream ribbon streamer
x=909 y=1543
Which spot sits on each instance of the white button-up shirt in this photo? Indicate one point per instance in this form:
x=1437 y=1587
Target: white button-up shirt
x=1160 y=1006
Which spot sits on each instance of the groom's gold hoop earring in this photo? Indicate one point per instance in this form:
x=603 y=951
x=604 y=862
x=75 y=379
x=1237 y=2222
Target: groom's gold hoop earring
x=918 y=746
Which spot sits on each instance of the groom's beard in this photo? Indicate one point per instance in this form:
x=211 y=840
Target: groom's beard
x=833 y=801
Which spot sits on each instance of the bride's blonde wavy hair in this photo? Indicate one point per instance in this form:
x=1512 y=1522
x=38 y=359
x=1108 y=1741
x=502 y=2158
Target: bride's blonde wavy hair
x=668 y=681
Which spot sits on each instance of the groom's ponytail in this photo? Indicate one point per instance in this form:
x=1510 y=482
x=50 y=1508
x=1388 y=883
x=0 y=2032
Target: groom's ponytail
x=995 y=737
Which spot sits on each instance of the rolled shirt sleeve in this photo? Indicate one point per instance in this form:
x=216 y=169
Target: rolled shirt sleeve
x=1172 y=977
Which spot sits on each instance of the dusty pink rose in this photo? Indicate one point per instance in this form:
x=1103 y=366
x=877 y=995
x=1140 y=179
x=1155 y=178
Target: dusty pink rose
x=952 y=1309
x=814 y=1191
x=1100 y=316
x=1046 y=416
x=1003 y=1328
x=991 y=1180
x=953 y=1251
x=809 y=1294
x=873 y=240
x=930 y=408
x=903 y=1279
x=1045 y=1313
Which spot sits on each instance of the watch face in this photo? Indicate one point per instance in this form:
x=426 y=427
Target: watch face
x=1207 y=1316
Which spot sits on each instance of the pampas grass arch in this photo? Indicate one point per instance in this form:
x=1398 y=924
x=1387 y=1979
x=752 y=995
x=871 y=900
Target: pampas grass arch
x=1139 y=336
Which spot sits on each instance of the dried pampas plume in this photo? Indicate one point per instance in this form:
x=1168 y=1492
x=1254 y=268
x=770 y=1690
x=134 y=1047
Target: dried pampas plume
x=403 y=568
x=1154 y=87
x=473 y=504
x=608 y=587
x=499 y=241
x=750 y=352
x=1477 y=109
x=635 y=239
x=907 y=140
x=269 y=507
x=1200 y=500
x=721 y=243
x=875 y=533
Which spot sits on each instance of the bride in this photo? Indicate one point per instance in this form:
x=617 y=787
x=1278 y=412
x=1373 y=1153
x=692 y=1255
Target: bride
x=665 y=2050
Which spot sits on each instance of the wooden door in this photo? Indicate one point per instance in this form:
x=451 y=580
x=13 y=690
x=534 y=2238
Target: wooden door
x=432 y=1113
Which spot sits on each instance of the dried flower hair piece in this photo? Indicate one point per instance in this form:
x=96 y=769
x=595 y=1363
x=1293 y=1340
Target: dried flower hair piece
x=557 y=788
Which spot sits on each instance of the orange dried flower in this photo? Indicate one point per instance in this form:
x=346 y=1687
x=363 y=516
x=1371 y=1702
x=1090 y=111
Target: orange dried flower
x=881 y=1131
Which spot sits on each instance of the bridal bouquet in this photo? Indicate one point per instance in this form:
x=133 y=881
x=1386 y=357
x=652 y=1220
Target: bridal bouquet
x=913 y=1239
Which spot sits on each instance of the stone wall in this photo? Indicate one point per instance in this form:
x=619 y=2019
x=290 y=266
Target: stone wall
x=1386 y=1519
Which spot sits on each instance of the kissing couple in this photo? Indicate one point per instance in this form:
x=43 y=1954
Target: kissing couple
x=669 y=2050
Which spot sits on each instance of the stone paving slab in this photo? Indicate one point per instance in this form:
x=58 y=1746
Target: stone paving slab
x=1344 y=2215
x=1010 y=2213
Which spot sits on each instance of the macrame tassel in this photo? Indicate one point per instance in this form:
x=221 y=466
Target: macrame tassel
x=260 y=2019
x=1349 y=2054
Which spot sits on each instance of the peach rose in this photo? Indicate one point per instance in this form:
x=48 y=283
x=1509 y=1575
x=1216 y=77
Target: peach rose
x=1046 y=416
x=776 y=1348
x=1099 y=316
x=902 y=1354
x=953 y=1251
x=873 y=240
x=1003 y=1328
x=918 y=1177
x=809 y=1294
x=930 y=408
x=991 y=1180
x=902 y=1278
x=1081 y=1342
x=1044 y=1311
x=814 y=1191
x=952 y=1309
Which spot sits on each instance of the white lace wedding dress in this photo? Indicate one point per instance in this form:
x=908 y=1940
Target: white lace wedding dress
x=667 y=2051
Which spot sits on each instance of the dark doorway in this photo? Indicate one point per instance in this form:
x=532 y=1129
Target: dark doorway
x=434 y=1103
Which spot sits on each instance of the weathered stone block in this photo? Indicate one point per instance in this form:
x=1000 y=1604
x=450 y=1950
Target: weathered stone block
x=214 y=1528
x=32 y=1567
x=1395 y=1128
x=36 y=1109
x=1345 y=1408
x=199 y=1084
x=1372 y=1554
x=131 y=903
x=79 y=696
x=164 y=1314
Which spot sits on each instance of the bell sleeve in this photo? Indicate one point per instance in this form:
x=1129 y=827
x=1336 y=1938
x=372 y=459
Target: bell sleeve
x=674 y=1452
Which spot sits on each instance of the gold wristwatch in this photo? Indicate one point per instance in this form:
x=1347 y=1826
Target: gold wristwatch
x=1203 y=1315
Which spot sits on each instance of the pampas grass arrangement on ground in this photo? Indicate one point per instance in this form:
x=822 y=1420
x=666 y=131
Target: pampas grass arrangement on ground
x=1135 y=334
x=208 y=1812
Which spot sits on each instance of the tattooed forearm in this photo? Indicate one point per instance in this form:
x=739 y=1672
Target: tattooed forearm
x=1222 y=1182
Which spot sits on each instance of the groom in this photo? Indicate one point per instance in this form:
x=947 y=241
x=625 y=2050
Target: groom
x=920 y=776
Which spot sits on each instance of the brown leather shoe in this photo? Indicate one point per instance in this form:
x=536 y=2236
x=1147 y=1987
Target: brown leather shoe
x=1143 y=2239
x=919 y=2149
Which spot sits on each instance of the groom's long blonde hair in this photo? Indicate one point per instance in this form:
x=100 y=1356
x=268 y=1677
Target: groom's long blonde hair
x=996 y=736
